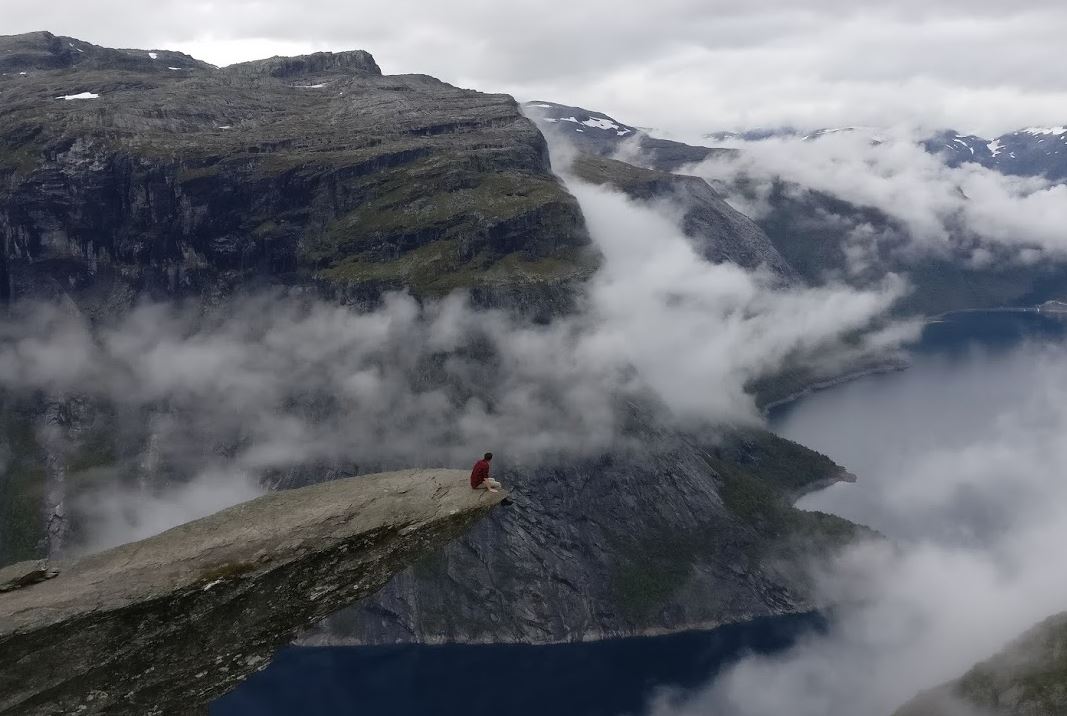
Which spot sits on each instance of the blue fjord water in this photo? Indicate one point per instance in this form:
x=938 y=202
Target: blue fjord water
x=608 y=678
x=605 y=678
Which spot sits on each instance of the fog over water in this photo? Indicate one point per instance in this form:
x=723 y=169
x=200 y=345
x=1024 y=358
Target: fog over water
x=962 y=463
x=957 y=449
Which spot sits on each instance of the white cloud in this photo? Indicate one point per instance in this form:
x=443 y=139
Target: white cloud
x=941 y=208
x=115 y=514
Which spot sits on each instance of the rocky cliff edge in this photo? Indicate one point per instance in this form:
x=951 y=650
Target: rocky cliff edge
x=166 y=624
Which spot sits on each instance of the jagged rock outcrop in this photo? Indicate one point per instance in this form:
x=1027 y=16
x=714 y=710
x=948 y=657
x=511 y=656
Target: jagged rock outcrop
x=1028 y=678
x=163 y=176
x=165 y=625
x=354 y=61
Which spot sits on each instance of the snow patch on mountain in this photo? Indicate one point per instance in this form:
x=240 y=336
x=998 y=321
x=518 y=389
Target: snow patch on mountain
x=1046 y=131
x=601 y=123
x=960 y=140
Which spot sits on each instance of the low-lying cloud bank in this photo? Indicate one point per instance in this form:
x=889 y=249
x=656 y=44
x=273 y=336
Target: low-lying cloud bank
x=268 y=385
x=699 y=332
x=964 y=465
x=956 y=211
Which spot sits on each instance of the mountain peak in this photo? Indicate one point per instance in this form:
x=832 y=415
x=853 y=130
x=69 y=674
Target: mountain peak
x=42 y=51
x=357 y=61
x=582 y=120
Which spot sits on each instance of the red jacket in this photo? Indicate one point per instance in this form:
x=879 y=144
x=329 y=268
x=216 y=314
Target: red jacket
x=480 y=473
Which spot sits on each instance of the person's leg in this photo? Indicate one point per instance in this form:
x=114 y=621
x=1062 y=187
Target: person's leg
x=492 y=483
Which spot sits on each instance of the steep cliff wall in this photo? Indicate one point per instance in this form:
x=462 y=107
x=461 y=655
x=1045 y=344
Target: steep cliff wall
x=166 y=176
x=666 y=533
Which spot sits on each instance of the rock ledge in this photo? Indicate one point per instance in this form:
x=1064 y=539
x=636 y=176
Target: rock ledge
x=167 y=624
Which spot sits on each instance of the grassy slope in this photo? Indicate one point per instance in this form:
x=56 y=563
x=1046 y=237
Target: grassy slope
x=1028 y=678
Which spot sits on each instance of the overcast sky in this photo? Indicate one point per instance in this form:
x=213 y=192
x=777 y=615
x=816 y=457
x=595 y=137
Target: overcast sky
x=683 y=66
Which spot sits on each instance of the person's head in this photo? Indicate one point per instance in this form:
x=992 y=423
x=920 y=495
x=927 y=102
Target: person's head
x=488 y=456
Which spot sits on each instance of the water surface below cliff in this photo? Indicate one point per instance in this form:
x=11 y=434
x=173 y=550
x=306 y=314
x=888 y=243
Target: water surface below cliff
x=911 y=436
x=605 y=678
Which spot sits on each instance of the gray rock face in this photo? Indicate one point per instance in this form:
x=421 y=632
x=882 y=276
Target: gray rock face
x=720 y=233
x=665 y=534
x=23 y=574
x=355 y=61
x=182 y=179
x=169 y=623
x=22 y=55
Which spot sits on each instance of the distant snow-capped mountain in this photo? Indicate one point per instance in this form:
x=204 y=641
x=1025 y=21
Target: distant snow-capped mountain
x=753 y=135
x=597 y=133
x=1034 y=151
x=583 y=120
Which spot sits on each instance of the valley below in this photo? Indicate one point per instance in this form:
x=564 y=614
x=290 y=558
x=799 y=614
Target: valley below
x=688 y=673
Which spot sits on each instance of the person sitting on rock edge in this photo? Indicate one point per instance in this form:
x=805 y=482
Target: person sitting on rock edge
x=480 y=479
